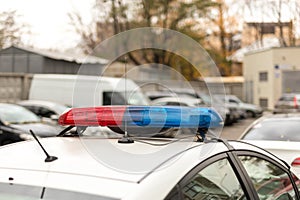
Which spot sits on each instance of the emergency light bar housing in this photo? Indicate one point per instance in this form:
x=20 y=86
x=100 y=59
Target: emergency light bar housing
x=143 y=116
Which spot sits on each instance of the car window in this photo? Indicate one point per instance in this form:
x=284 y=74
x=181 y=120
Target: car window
x=215 y=181
x=44 y=112
x=278 y=130
x=172 y=103
x=286 y=98
x=17 y=114
x=269 y=180
x=118 y=98
x=113 y=98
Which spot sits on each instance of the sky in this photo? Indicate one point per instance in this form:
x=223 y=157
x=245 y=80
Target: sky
x=49 y=22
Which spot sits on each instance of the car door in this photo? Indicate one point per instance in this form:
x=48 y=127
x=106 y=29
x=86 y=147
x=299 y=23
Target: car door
x=216 y=178
x=20 y=192
x=237 y=175
x=270 y=179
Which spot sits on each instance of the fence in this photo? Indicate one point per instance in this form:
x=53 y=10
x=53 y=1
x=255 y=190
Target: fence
x=15 y=87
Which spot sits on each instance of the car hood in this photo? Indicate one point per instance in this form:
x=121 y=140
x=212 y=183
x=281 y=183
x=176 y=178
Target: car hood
x=40 y=129
x=250 y=106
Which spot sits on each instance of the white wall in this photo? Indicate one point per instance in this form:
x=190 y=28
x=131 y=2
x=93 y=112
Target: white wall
x=265 y=61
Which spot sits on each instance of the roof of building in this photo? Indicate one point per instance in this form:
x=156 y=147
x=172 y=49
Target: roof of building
x=266 y=43
x=79 y=58
x=227 y=79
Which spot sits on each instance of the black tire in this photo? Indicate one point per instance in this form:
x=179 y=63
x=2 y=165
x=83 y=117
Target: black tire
x=250 y=114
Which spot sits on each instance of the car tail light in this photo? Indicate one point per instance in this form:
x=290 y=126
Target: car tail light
x=296 y=162
x=295 y=102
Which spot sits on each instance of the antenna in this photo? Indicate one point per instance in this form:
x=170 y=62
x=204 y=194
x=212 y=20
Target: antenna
x=126 y=97
x=48 y=158
x=125 y=139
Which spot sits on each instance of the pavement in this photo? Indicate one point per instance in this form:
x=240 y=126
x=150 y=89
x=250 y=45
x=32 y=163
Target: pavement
x=234 y=131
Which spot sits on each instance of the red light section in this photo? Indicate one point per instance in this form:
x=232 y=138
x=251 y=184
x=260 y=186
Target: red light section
x=296 y=162
x=93 y=116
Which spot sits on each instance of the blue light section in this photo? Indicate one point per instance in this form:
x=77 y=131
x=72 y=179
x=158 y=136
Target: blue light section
x=171 y=116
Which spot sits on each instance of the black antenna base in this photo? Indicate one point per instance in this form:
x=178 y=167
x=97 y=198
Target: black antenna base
x=125 y=140
x=50 y=158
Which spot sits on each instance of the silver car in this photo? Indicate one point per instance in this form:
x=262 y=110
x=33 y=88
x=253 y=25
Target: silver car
x=287 y=103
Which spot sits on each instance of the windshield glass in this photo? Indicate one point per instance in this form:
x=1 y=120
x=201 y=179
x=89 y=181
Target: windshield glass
x=16 y=114
x=280 y=130
x=136 y=98
x=118 y=98
x=60 y=108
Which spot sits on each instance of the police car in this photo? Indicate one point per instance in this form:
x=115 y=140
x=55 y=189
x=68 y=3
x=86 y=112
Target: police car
x=129 y=165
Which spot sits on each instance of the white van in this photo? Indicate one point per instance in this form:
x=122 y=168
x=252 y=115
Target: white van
x=81 y=90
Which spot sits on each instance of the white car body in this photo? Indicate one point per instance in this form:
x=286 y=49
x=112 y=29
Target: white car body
x=77 y=168
x=278 y=138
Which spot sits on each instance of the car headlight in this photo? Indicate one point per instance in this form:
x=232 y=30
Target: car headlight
x=26 y=136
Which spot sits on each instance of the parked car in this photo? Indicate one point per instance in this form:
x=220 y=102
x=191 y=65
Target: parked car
x=147 y=168
x=279 y=134
x=237 y=112
x=47 y=110
x=178 y=101
x=230 y=112
x=50 y=111
x=247 y=110
x=287 y=103
x=16 y=121
x=153 y=95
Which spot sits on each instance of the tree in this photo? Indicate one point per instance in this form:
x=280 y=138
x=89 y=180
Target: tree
x=283 y=13
x=10 y=32
x=224 y=26
x=179 y=15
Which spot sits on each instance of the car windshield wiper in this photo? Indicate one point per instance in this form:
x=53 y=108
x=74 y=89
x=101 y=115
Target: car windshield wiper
x=25 y=122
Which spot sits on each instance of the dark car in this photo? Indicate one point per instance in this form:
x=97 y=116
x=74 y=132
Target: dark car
x=16 y=121
x=287 y=103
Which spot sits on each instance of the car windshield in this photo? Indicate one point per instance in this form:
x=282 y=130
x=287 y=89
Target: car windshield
x=278 y=130
x=136 y=98
x=60 y=108
x=14 y=114
x=287 y=98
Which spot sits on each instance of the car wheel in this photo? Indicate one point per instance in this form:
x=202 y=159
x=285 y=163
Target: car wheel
x=250 y=114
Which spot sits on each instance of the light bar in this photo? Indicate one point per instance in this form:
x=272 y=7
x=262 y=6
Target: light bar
x=142 y=116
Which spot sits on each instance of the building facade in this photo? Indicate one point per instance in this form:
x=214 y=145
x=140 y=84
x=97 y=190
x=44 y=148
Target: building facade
x=26 y=60
x=270 y=73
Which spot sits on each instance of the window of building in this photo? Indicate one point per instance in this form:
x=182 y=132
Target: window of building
x=263 y=76
x=263 y=102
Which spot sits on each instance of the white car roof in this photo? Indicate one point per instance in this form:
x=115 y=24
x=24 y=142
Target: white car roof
x=190 y=101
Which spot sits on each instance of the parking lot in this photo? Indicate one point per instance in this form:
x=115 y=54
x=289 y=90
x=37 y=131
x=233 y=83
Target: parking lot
x=234 y=131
